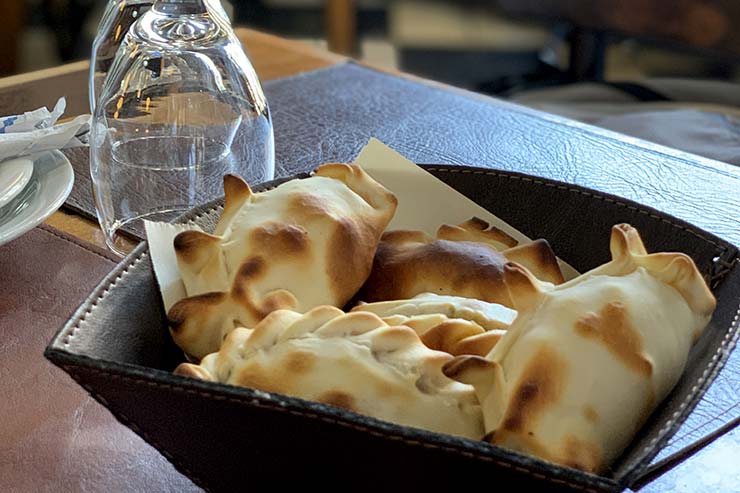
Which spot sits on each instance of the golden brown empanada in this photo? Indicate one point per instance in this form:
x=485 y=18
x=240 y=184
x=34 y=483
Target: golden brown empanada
x=452 y=324
x=585 y=363
x=354 y=361
x=303 y=244
x=461 y=261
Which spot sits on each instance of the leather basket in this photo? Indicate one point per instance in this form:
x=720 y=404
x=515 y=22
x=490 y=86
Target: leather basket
x=117 y=346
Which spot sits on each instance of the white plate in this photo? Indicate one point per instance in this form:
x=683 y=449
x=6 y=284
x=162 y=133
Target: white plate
x=14 y=176
x=45 y=192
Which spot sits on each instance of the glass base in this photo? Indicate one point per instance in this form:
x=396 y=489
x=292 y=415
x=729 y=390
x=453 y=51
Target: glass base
x=122 y=242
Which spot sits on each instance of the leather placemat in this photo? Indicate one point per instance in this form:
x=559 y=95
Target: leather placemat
x=53 y=435
x=328 y=115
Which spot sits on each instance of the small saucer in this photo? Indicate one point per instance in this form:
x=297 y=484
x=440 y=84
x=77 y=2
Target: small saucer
x=14 y=176
x=45 y=192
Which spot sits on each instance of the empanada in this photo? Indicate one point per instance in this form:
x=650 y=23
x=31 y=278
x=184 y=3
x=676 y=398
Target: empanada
x=303 y=244
x=452 y=324
x=353 y=361
x=461 y=261
x=585 y=363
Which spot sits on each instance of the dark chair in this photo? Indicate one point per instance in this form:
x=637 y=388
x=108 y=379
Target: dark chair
x=699 y=116
x=704 y=27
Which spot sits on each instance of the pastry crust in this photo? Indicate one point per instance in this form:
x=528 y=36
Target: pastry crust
x=354 y=361
x=585 y=363
x=451 y=324
x=303 y=244
x=462 y=260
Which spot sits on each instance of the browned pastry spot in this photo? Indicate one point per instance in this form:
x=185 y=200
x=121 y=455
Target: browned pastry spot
x=480 y=344
x=235 y=188
x=523 y=288
x=469 y=369
x=251 y=268
x=539 y=258
x=590 y=414
x=188 y=315
x=236 y=191
x=280 y=239
x=675 y=269
x=580 y=454
x=352 y=175
x=181 y=311
x=459 y=268
x=299 y=362
x=445 y=336
x=346 y=263
x=625 y=241
x=307 y=204
x=612 y=327
x=242 y=296
x=338 y=398
x=461 y=261
x=540 y=386
x=275 y=300
x=255 y=376
x=190 y=246
x=475 y=229
x=236 y=194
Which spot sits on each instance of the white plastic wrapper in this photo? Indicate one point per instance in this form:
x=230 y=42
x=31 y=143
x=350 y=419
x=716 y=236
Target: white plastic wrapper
x=33 y=120
x=37 y=131
x=424 y=203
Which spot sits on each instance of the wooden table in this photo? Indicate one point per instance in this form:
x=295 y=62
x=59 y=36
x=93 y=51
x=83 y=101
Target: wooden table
x=273 y=58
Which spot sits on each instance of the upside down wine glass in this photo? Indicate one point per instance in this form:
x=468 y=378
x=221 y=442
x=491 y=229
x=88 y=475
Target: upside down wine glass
x=180 y=107
x=116 y=21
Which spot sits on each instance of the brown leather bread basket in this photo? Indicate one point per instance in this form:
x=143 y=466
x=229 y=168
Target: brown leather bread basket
x=117 y=346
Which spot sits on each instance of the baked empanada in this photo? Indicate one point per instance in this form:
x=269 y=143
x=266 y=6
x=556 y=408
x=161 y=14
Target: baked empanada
x=303 y=244
x=353 y=361
x=461 y=261
x=585 y=363
x=452 y=324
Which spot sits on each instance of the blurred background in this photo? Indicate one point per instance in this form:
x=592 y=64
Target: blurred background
x=586 y=59
x=489 y=45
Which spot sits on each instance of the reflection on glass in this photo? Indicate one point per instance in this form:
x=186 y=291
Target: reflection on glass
x=181 y=106
x=117 y=19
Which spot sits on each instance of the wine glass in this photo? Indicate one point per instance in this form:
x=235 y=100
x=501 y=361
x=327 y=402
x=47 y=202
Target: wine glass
x=180 y=107
x=114 y=25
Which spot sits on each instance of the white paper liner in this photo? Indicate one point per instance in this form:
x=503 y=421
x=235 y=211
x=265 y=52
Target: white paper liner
x=160 y=236
x=424 y=203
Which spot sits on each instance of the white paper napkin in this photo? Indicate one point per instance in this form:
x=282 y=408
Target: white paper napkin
x=36 y=131
x=424 y=201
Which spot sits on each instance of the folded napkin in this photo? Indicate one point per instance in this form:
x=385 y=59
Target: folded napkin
x=37 y=131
